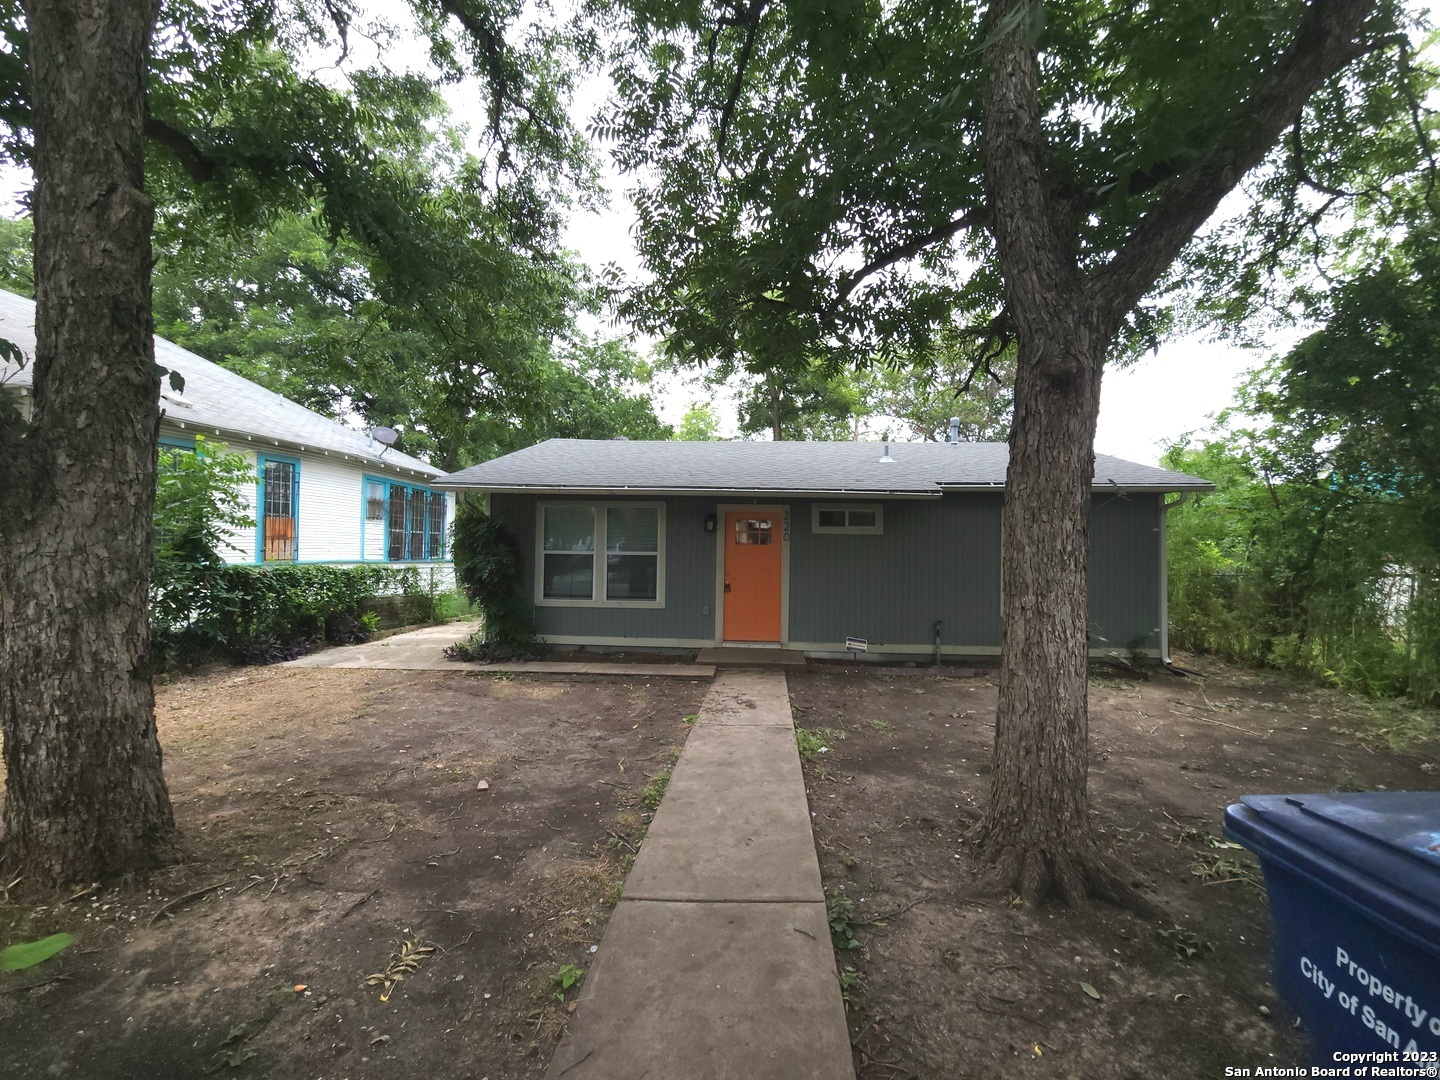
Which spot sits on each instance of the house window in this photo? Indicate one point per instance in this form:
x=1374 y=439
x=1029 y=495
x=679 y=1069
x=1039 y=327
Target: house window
x=632 y=552
x=847 y=519
x=374 y=500
x=279 y=498
x=414 y=523
x=573 y=537
x=568 y=550
x=435 y=527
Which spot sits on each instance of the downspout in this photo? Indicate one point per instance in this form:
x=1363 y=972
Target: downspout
x=1165 y=508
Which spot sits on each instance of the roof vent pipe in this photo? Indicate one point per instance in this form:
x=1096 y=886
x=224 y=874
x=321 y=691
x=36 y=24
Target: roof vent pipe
x=886 y=455
x=954 y=431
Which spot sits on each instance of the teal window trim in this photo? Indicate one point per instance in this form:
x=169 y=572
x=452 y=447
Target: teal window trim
x=390 y=485
x=175 y=442
x=260 y=460
x=366 y=479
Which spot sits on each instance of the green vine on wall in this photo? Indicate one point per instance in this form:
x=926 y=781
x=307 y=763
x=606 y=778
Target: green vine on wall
x=490 y=568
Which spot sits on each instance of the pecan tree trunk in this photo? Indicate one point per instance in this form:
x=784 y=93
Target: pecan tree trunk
x=85 y=797
x=1036 y=827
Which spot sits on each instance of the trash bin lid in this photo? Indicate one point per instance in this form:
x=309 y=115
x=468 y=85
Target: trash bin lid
x=1379 y=848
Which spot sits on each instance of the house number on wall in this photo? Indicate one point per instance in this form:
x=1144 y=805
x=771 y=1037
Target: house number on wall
x=785 y=527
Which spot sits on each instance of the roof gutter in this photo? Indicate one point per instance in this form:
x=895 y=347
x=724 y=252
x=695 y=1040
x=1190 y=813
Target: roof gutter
x=551 y=489
x=1126 y=489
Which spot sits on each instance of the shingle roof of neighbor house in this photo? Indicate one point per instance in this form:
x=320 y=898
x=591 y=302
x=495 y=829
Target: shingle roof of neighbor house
x=219 y=401
x=830 y=468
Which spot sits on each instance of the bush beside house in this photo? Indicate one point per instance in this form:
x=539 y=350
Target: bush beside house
x=202 y=608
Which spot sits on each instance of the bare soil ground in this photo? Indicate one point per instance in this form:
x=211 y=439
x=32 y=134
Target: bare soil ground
x=953 y=982
x=330 y=817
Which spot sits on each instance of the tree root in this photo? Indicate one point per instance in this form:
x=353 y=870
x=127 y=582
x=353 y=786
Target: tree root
x=1074 y=876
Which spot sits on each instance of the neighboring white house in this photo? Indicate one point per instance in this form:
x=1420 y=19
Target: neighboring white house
x=323 y=492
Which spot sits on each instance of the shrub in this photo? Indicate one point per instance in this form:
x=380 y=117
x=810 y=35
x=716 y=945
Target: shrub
x=490 y=569
x=261 y=614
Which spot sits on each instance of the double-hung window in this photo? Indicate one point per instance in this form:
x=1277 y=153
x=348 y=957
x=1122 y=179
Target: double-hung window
x=601 y=554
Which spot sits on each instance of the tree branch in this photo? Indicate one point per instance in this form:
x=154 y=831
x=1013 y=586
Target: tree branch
x=1327 y=40
x=192 y=159
x=900 y=252
x=751 y=21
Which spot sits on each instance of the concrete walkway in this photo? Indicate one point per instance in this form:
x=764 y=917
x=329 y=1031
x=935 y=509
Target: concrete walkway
x=717 y=964
x=424 y=650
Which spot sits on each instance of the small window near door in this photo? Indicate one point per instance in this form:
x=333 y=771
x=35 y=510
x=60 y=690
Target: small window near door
x=864 y=519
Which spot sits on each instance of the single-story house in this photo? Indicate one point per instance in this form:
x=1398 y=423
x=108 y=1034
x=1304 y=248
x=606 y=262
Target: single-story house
x=323 y=492
x=816 y=547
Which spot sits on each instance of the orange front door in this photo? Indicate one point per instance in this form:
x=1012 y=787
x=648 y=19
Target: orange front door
x=752 y=575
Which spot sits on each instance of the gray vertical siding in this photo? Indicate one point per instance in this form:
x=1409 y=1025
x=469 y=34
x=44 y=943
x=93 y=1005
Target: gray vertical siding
x=936 y=559
x=1124 y=572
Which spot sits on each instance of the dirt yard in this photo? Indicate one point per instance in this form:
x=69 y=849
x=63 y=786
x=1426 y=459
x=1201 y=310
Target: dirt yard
x=335 y=831
x=948 y=982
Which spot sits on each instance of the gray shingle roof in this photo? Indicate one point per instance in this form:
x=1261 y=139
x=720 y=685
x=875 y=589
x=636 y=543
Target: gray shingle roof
x=586 y=465
x=215 y=398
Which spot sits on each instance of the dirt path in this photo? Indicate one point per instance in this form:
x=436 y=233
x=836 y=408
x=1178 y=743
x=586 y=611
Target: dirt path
x=338 y=813
x=948 y=983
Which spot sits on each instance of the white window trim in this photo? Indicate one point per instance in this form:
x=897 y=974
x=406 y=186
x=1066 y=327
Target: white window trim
x=847 y=530
x=597 y=597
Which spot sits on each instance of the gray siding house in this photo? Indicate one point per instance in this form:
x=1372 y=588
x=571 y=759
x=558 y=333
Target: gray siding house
x=816 y=547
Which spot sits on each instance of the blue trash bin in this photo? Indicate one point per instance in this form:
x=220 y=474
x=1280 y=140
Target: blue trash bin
x=1354 y=884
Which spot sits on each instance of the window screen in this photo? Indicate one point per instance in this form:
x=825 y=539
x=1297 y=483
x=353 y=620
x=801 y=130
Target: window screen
x=568 y=549
x=632 y=552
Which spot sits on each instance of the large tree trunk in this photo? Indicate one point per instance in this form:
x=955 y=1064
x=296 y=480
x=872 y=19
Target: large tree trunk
x=85 y=797
x=1036 y=826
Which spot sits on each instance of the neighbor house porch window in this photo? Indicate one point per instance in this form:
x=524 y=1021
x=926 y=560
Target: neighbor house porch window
x=415 y=524
x=574 y=538
x=280 y=510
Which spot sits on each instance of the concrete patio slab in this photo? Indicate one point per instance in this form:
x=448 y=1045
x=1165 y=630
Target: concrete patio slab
x=710 y=992
x=424 y=650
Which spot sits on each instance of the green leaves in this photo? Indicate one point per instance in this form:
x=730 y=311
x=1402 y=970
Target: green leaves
x=19 y=957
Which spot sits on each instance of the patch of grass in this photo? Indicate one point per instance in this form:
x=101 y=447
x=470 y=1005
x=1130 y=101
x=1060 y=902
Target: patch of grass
x=654 y=790
x=878 y=724
x=850 y=985
x=810 y=741
x=1218 y=869
x=1396 y=726
x=691 y=718
x=840 y=912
